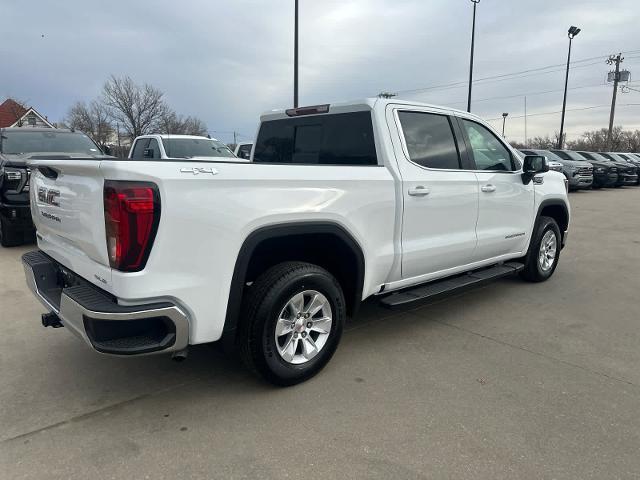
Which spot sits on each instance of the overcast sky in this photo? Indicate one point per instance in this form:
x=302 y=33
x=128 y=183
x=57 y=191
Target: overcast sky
x=228 y=61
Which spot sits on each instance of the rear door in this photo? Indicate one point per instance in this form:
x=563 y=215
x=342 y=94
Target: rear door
x=440 y=194
x=506 y=204
x=68 y=211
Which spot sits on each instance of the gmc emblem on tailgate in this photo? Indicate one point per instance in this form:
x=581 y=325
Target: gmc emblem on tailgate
x=48 y=196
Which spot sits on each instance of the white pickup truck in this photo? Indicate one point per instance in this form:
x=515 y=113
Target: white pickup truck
x=340 y=202
x=165 y=146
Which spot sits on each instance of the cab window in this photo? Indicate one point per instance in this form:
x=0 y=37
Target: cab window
x=429 y=139
x=153 y=148
x=488 y=152
x=139 y=147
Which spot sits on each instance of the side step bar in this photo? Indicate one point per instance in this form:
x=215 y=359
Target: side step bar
x=449 y=286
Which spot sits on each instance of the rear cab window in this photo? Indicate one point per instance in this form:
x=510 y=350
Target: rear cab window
x=324 y=139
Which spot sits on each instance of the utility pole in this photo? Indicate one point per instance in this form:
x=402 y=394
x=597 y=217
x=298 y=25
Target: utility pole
x=295 y=58
x=617 y=59
x=235 y=142
x=473 y=38
x=525 y=121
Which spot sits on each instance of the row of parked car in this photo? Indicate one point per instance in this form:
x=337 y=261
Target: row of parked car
x=593 y=169
x=19 y=146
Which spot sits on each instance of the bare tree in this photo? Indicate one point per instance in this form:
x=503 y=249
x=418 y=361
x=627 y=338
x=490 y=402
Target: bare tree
x=179 y=125
x=137 y=108
x=596 y=140
x=543 y=143
x=92 y=119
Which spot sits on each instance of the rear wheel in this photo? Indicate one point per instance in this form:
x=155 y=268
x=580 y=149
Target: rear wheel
x=544 y=251
x=292 y=322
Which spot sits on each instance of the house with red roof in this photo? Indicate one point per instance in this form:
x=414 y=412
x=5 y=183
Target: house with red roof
x=14 y=114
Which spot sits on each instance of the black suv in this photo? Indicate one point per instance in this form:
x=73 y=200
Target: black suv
x=17 y=146
x=626 y=169
x=633 y=159
x=605 y=174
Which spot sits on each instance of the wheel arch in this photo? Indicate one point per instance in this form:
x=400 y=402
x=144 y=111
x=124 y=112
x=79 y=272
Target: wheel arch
x=559 y=211
x=326 y=244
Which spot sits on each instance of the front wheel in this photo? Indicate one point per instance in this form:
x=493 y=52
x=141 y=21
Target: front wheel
x=544 y=251
x=292 y=322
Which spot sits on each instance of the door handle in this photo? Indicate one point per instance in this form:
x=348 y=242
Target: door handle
x=419 y=191
x=488 y=188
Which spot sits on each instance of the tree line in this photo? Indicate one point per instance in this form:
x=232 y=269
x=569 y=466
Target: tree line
x=127 y=110
x=592 y=141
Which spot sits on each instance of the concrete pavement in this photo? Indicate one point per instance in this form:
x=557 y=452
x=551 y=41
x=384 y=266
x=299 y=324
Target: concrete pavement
x=514 y=380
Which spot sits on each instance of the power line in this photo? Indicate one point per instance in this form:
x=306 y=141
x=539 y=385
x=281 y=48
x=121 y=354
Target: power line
x=568 y=110
x=529 y=94
x=495 y=78
x=521 y=74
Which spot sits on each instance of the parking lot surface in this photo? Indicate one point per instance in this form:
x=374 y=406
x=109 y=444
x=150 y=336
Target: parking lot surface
x=513 y=380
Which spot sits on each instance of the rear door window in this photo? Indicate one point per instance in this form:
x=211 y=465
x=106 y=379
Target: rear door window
x=340 y=139
x=429 y=139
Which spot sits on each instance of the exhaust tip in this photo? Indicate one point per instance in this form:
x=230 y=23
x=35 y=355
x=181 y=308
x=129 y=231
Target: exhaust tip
x=180 y=355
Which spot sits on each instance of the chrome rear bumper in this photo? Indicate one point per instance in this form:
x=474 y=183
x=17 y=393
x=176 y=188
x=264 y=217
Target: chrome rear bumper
x=98 y=318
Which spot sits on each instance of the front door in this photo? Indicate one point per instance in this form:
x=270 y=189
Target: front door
x=506 y=205
x=440 y=196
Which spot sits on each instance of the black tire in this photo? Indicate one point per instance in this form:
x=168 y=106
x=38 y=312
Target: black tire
x=8 y=236
x=262 y=306
x=533 y=270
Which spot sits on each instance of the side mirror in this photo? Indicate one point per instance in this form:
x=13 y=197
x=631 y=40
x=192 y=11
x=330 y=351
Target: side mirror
x=533 y=165
x=148 y=153
x=106 y=150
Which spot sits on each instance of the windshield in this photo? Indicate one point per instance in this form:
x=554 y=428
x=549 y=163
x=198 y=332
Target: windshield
x=570 y=155
x=16 y=141
x=552 y=157
x=594 y=156
x=195 y=147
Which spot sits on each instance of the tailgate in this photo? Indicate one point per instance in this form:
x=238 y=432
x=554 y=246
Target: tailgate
x=68 y=211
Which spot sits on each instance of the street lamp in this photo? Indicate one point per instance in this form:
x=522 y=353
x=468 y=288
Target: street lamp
x=295 y=58
x=573 y=31
x=504 y=120
x=473 y=37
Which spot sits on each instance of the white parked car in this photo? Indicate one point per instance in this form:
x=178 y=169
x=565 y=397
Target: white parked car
x=192 y=147
x=243 y=150
x=380 y=197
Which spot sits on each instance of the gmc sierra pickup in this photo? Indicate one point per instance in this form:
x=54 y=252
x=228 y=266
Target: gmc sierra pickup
x=339 y=203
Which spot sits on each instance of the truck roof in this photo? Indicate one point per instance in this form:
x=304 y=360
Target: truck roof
x=39 y=130
x=169 y=136
x=367 y=104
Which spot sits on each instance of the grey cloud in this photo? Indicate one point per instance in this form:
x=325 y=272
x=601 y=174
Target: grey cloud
x=227 y=61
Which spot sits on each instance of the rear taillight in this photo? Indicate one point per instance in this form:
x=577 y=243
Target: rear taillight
x=131 y=216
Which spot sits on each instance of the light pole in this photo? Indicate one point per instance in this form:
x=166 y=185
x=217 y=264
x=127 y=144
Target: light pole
x=473 y=38
x=504 y=120
x=573 y=31
x=295 y=58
